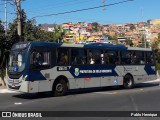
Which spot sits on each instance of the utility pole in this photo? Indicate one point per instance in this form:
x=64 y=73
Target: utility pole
x=5 y=10
x=19 y=18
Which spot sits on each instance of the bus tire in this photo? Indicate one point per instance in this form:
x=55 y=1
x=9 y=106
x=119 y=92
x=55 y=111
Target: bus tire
x=60 y=88
x=128 y=82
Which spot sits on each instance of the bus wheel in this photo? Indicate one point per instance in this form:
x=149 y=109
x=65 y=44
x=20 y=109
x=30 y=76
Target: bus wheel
x=128 y=82
x=60 y=88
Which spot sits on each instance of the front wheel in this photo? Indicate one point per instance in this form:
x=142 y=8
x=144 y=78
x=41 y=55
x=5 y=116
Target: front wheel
x=60 y=88
x=128 y=82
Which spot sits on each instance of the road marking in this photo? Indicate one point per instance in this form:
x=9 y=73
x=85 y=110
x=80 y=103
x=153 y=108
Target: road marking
x=109 y=93
x=18 y=103
x=7 y=91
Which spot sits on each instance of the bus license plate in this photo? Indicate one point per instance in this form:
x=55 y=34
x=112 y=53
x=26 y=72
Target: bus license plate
x=13 y=85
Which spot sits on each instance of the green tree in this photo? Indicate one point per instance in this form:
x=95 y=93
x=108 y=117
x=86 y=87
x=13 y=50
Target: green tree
x=2 y=51
x=110 y=37
x=157 y=53
x=30 y=30
x=129 y=42
x=2 y=38
x=12 y=36
x=95 y=26
x=155 y=44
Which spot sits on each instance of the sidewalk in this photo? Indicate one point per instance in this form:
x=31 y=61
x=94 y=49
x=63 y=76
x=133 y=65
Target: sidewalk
x=3 y=87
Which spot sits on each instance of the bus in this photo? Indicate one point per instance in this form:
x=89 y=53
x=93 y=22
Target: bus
x=36 y=67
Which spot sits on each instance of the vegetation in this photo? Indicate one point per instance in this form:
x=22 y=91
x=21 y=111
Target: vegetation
x=157 y=53
x=111 y=37
x=96 y=27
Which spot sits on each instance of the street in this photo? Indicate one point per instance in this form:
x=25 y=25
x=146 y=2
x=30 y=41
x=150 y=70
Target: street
x=144 y=97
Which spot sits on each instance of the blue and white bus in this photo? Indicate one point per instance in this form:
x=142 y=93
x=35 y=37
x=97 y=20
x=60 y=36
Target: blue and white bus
x=45 y=66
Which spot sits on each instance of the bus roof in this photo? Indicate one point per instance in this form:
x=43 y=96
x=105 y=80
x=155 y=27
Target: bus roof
x=43 y=43
x=91 y=45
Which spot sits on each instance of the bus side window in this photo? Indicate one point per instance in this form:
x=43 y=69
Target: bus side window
x=113 y=57
x=140 y=57
x=62 y=59
x=94 y=56
x=78 y=56
x=62 y=56
x=40 y=59
x=127 y=57
x=149 y=58
x=133 y=58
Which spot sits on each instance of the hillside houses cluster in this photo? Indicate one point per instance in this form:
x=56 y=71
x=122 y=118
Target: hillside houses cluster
x=137 y=32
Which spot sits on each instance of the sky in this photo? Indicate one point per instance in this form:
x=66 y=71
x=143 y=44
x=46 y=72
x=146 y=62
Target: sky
x=127 y=12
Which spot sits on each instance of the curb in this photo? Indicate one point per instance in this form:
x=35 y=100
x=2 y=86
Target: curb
x=7 y=91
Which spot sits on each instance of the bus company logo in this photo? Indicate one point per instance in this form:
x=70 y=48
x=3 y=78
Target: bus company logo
x=76 y=71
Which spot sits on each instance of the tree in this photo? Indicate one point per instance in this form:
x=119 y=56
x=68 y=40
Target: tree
x=12 y=35
x=30 y=30
x=154 y=45
x=2 y=51
x=95 y=26
x=2 y=38
x=110 y=37
x=148 y=21
x=129 y=42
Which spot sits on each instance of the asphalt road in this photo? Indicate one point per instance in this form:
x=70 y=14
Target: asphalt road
x=144 y=97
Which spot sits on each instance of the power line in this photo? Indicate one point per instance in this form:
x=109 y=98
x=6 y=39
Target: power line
x=73 y=11
x=7 y=12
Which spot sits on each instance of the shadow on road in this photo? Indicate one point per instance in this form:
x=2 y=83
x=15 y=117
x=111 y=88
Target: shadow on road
x=82 y=91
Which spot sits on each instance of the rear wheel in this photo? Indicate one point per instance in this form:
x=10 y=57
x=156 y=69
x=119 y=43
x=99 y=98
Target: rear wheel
x=60 y=88
x=128 y=82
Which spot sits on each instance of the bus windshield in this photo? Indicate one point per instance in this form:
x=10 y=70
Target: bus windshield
x=17 y=61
